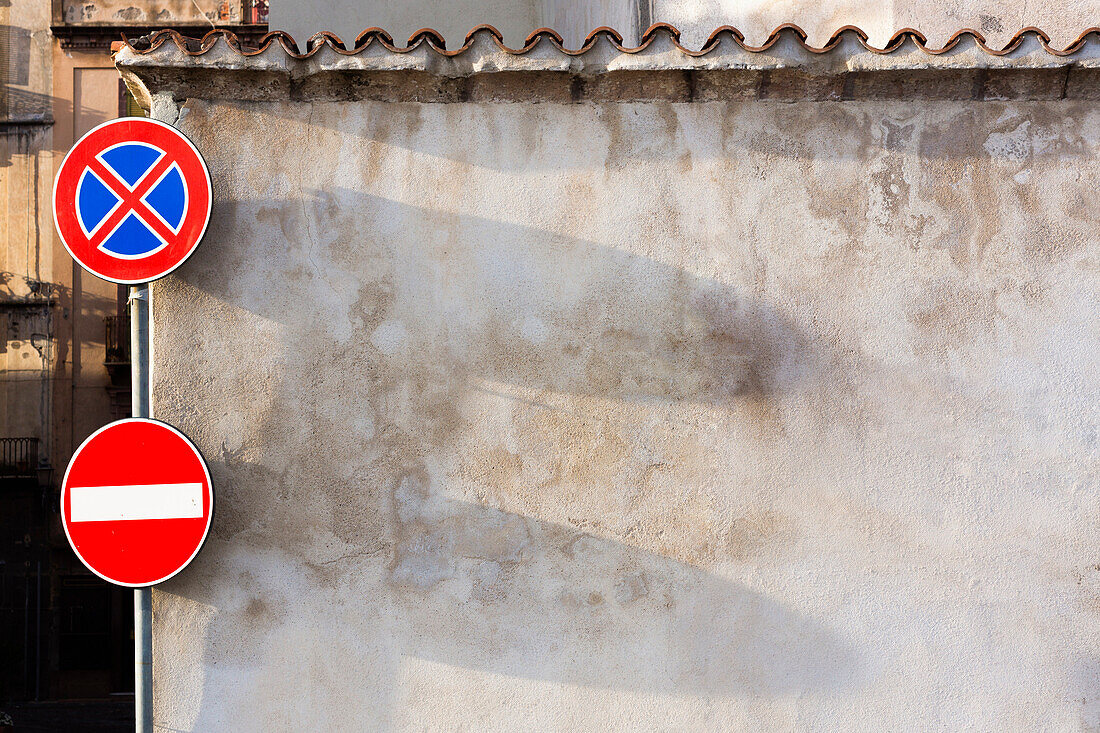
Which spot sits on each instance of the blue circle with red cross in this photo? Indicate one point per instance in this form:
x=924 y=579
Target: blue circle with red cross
x=125 y=168
x=132 y=200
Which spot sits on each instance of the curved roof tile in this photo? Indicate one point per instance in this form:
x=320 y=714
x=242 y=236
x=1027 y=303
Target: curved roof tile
x=429 y=38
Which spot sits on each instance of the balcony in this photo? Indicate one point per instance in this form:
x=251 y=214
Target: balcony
x=116 y=337
x=92 y=26
x=19 y=460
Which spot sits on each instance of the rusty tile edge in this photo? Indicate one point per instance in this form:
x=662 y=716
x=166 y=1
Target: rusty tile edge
x=660 y=37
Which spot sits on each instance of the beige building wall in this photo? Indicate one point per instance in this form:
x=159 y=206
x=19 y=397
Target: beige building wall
x=998 y=21
x=165 y=12
x=52 y=377
x=57 y=81
x=93 y=89
x=52 y=92
x=52 y=363
x=26 y=261
x=563 y=402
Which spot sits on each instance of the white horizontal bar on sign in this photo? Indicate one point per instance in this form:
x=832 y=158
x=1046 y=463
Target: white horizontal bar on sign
x=140 y=501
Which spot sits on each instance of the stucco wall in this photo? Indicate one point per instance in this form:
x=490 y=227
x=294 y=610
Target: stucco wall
x=26 y=135
x=159 y=11
x=1064 y=20
x=638 y=416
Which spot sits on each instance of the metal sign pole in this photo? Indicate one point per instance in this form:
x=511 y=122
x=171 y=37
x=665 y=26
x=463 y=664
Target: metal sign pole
x=143 y=597
x=178 y=216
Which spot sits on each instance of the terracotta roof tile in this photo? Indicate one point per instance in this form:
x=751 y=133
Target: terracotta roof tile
x=433 y=40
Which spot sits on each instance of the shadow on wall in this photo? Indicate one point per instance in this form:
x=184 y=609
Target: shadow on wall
x=618 y=135
x=402 y=315
x=553 y=603
x=506 y=596
x=467 y=301
x=468 y=586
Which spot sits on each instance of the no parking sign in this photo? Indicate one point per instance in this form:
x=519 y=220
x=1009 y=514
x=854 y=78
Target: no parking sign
x=132 y=200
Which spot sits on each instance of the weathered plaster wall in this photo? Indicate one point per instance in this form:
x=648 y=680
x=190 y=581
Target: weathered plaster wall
x=160 y=11
x=1064 y=20
x=26 y=175
x=638 y=416
x=348 y=18
x=995 y=19
x=25 y=54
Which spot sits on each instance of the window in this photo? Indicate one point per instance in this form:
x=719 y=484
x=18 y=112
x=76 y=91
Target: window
x=127 y=105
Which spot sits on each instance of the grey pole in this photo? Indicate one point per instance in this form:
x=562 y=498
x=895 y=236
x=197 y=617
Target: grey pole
x=143 y=597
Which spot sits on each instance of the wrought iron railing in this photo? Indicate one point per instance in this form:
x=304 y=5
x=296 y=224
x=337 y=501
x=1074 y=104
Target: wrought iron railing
x=117 y=339
x=19 y=458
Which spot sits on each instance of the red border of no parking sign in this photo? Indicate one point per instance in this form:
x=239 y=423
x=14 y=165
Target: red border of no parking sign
x=85 y=249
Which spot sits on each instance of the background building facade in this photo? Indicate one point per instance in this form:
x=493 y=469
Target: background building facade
x=64 y=364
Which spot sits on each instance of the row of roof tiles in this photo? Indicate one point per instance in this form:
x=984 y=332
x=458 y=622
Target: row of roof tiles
x=431 y=39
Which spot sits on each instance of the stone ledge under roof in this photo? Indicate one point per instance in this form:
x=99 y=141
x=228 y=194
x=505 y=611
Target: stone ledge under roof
x=785 y=67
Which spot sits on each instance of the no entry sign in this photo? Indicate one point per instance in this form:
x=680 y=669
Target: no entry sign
x=132 y=200
x=136 y=502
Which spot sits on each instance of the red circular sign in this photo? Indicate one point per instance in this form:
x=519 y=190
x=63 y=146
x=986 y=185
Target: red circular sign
x=136 y=502
x=132 y=200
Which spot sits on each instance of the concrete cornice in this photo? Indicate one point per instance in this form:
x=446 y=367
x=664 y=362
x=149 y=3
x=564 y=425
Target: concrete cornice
x=844 y=68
